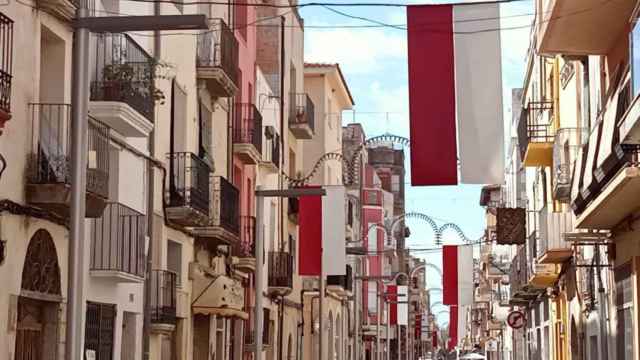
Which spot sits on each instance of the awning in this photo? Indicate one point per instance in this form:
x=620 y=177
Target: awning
x=216 y=294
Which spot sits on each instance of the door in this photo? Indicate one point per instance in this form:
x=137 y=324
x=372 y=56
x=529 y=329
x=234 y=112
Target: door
x=29 y=340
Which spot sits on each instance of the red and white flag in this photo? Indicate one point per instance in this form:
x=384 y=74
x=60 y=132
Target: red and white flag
x=455 y=94
x=457 y=275
x=321 y=229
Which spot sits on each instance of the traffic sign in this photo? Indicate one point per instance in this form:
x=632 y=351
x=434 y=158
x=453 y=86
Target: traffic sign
x=516 y=319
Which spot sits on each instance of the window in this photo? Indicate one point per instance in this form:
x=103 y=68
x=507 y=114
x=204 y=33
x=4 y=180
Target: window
x=624 y=310
x=634 y=52
x=99 y=330
x=205 y=134
x=371 y=299
x=174 y=260
x=372 y=237
x=241 y=20
x=395 y=183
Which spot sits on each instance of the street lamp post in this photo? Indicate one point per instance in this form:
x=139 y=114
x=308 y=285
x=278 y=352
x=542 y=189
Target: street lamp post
x=259 y=248
x=83 y=25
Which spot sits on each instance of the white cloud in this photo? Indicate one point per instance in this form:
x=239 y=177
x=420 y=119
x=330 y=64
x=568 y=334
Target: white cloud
x=357 y=50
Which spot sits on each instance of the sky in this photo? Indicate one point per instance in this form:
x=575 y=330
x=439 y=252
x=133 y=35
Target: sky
x=374 y=62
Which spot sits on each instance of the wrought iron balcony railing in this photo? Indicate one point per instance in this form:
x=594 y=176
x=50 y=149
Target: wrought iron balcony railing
x=344 y=281
x=302 y=110
x=123 y=72
x=280 y=269
x=246 y=247
x=50 y=161
x=218 y=48
x=247 y=127
x=271 y=154
x=6 y=62
x=536 y=124
x=565 y=149
x=226 y=205
x=118 y=241
x=519 y=272
x=163 y=297
x=189 y=182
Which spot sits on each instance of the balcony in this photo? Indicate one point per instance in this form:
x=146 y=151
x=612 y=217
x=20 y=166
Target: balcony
x=217 y=59
x=216 y=294
x=118 y=244
x=63 y=9
x=163 y=299
x=521 y=292
x=250 y=334
x=301 y=116
x=271 y=153
x=536 y=133
x=581 y=27
x=6 y=44
x=224 y=224
x=565 y=150
x=122 y=86
x=189 y=192
x=244 y=251
x=49 y=173
x=372 y=197
x=554 y=249
x=607 y=181
x=294 y=209
x=247 y=133
x=342 y=285
x=280 y=273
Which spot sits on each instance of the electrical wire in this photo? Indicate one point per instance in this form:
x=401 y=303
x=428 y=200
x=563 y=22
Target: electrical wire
x=315 y=4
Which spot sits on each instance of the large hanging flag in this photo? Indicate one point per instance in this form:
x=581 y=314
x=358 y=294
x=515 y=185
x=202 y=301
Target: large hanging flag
x=392 y=291
x=322 y=231
x=453 y=328
x=457 y=275
x=455 y=76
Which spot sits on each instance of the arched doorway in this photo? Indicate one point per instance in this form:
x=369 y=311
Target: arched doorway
x=40 y=295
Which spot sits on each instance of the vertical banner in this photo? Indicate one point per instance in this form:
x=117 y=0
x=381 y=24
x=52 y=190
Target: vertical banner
x=333 y=231
x=392 y=290
x=432 y=95
x=479 y=93
x=310 y=231
x=450 y=275
x=465 y=275
x=453 y=327
x=403 y=308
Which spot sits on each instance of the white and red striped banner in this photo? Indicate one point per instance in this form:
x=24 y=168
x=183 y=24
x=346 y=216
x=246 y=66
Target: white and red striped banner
x=455 y=75
x=457 y=277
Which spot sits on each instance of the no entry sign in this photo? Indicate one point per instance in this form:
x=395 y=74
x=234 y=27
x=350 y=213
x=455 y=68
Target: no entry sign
x=516 y=319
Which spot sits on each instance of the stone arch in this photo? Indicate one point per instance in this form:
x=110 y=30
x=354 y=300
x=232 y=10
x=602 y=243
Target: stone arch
x=41 y=271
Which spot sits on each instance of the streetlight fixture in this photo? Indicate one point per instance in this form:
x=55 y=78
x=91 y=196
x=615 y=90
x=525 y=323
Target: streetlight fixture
x=83 y=25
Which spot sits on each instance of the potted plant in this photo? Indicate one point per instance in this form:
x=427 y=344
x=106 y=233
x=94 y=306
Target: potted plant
x=117 y=81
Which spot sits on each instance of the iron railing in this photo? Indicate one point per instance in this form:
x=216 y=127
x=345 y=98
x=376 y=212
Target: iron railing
x=280 y=269
x=247 y=127
x=246 y=247
x=123 y=72
x=372 y=197
x=345 y=281
x=118 y=240
x=272 y=150
x=519 y=271
x=218 y=48
x=250 y=334
x=535 y=125
x=50 y=161
x=227 y=205
x=302 y=110
x=6 y=61
x=163 y=296
x=565 y=149
x=189 y=181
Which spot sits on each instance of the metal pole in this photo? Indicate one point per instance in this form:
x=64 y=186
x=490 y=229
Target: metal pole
x=79 y=123
x=388 y=345
x=259 y=249
x=356 y=308
x=321 y=308
x=378 y=353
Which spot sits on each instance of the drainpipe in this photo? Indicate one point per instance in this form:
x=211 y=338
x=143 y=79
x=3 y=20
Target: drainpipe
x=146 y=325
x=280 y=199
